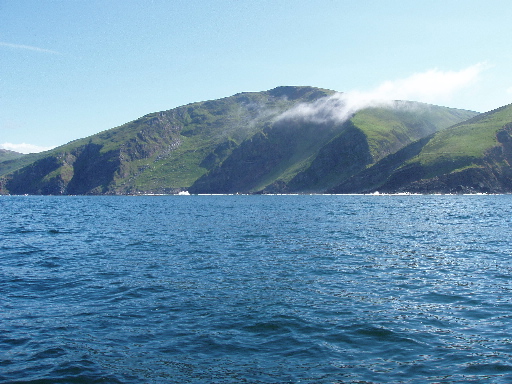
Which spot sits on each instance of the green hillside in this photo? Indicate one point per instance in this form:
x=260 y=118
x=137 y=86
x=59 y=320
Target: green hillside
x=473 y=156
x=389 y=129
x=6 y=155
x=161 y=152
x=465 y=143
x=297 y=156
x=234 y=144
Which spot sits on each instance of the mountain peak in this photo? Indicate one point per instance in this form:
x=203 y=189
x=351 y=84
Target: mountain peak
x=6 y=154
x=298 y=92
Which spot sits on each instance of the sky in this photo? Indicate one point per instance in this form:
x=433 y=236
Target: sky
x=72 y=68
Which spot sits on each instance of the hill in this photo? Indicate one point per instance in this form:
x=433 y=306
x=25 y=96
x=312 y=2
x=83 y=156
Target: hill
x=471 y=157
x=6 y=155
x=236 y=144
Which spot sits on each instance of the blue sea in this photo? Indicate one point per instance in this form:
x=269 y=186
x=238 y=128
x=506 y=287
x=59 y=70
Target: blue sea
x=256 y=289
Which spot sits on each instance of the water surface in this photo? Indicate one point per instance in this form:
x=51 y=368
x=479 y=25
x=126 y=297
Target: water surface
x=256 y=289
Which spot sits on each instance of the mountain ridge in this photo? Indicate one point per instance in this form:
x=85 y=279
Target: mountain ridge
x=236 y=144
x=6 y=155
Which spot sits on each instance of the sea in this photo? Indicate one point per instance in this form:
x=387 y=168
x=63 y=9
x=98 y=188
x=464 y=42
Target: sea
x=256 y=289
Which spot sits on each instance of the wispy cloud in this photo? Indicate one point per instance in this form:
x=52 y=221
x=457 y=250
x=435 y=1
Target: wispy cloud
x=24 y=148
x=430 y=86
x=27 y=47
x=433 y=86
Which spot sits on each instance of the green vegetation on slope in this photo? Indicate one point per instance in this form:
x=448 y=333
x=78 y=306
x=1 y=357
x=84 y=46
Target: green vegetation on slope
x=297 y=155
x=211 y=130
x=9 y=155
x=389 y=129
x=473 y=156
x=12 y=164
x=159 y=152
x=463 y=144
x=234 y=144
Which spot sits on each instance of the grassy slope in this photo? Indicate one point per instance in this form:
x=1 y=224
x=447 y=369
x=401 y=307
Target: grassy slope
x=10 y=165
x=450 y=152
x=388 y=130
x=304 y=146
x=9 y=155
x=306 y=157
x=169 y=149
x=385 y=130
x=207 y=125
x=193 y=131
x=464 y=144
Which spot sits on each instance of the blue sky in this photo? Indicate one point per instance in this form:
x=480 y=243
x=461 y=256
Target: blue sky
x=73 y=68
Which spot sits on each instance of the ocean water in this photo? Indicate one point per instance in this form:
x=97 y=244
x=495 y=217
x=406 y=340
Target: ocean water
x=256 y=289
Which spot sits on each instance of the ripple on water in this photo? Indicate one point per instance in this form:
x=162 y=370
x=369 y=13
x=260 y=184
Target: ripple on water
x=259 y=289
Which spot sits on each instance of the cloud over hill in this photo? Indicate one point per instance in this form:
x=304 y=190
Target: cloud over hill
x=427 y=87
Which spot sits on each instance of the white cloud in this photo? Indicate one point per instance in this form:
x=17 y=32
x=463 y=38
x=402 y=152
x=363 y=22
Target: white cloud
x=27 y=47
x=24 y=148
x=430 y=86
x=433 y=86
x=509 y=90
